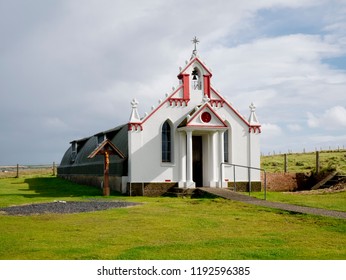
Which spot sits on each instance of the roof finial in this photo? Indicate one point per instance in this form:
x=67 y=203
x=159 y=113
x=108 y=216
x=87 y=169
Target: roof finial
x=253 y=118
x=195 y=41
x=134 y=114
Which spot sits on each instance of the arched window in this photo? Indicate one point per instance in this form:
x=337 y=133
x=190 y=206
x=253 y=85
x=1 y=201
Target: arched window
x=166 y=142
x=226 y=147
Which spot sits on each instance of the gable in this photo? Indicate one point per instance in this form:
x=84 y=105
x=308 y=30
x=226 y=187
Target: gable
x=193 y=63
x=182 y=98
x=203 y=116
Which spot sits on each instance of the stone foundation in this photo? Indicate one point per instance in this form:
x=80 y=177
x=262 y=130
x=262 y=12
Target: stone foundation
x=149 y=189
x=95 y=181
x=244 y=186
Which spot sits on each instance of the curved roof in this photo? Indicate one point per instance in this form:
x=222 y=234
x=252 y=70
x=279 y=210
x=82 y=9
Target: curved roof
x=78 y=159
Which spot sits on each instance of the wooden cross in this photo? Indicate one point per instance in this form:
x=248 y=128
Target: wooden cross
x=106 y=148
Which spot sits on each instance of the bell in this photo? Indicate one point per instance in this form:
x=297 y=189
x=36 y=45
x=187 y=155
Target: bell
x=194 y=74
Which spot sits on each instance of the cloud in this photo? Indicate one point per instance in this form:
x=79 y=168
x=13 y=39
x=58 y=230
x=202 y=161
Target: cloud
x=332 y=119
x=270 y=130
x=294 y=127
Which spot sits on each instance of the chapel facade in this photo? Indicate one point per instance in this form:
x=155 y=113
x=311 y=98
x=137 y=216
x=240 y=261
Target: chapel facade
x=193 y=138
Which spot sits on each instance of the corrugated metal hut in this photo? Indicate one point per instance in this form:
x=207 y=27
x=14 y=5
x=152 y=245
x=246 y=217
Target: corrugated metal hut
x=77 y=167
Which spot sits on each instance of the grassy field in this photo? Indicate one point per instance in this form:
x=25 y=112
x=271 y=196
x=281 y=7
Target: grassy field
x=25 y=170
x=159 y=228
x=306 y=162
x=331 y=201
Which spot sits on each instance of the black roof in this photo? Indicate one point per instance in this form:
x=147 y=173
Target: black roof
x=78 y=159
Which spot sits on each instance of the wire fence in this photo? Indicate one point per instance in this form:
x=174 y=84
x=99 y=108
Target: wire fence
x=315 y=162
x=339 y=148
x=15 y=171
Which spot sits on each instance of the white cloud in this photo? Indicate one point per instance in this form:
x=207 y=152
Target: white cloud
x=332 y=119
x=294 y=127
x=312 y=120
x=270 y=130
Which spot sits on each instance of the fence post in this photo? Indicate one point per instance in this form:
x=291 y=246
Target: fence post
x=53 y=168
x=317 y=162
x=17 y=176
x=285 y=163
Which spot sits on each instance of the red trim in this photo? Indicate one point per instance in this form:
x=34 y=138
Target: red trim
x=231 y=107
x=180 y=75
x=206 y=79
x=134 y=126
x=255 y=129
x=207 y=126
x=216 y=102
x=186 y=86
x=211 y=109
x=178 y=101
x=165 y=101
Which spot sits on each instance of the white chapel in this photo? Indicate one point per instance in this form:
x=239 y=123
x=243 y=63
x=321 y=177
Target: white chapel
x=193 y=138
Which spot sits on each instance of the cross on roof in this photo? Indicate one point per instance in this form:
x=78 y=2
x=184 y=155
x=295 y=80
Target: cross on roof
x=195 y=41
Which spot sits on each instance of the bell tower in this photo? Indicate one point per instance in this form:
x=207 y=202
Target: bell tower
x=195 y=77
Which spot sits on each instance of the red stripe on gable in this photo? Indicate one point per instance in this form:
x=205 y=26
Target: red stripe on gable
x=165 y=101
x=200 y=110
x=180 y=75
x=231 y=107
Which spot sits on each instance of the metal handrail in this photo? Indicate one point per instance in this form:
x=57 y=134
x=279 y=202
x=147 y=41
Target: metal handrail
x=248 y=167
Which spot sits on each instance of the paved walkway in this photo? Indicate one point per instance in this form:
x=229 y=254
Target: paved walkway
x=225 y=193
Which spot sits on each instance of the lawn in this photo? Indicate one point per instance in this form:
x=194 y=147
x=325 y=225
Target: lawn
x=159 y=228
x=331 y=200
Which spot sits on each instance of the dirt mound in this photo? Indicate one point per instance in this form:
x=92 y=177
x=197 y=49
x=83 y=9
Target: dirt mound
x=340 y=187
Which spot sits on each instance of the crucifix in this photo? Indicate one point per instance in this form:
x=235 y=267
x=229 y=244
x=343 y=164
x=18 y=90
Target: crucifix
x=106 y=148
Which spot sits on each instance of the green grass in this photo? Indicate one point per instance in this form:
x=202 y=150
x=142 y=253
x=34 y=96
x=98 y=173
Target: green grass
x=31 y=189
x=160 y=228
x=306 y=162
x=331 y=201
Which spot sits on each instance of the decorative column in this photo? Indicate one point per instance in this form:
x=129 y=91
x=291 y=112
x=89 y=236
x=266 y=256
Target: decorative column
x=186 y=86
x=221 y=156
x=213 y=160
x=189 y=159
x=206 y=81
x=182 y=153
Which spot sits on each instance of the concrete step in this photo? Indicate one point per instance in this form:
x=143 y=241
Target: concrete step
x=179 y=192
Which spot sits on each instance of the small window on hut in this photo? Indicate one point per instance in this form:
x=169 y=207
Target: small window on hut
x=73 y=152
x=100 y=138
x=74 y=147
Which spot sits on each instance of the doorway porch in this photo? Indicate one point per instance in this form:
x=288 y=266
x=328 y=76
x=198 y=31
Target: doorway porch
x=201 y=153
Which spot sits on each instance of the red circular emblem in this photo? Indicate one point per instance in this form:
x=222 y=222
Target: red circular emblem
x=206 y=117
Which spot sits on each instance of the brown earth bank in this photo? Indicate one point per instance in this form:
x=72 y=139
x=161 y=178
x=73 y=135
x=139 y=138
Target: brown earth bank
x=298 y=182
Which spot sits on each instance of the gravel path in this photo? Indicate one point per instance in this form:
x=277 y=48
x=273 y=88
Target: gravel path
x=65 y=207
x=278 y=205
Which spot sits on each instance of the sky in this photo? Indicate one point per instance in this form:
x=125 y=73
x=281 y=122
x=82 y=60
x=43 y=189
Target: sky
x=69 y=69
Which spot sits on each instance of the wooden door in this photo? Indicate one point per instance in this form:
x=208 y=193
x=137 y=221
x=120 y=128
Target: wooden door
x=197 y=163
